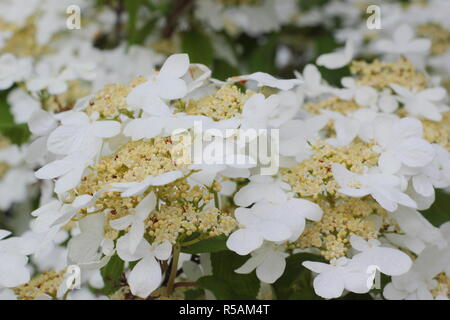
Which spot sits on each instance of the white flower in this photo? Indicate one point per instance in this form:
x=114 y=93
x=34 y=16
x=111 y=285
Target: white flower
x=313 y=85
x=269 y=261
x=45 y=77
x=400 y=143
x=276 y=223
x=129 y=189
x=14 y=186
x=354 y=274
x=263 y=79
x=68 y=171
x=41 y=124
x=150 y=96
x=146 y=275
x=357 y=124
x=363 y=95
x=136 y=221
x=419 y=281
x=78 y=132
x=434 y=175
x=13 y=70
x=261 y=188
x=426 y=103
x=383 y=187
x=403 y=42
x=337 y=59
x=257 y=110
x=13 y=255
x=340 y=274
x=389 y=261
x=22 y=105
x=55 y=214
x=418 y=231
x=295 y=135
x=83 y=249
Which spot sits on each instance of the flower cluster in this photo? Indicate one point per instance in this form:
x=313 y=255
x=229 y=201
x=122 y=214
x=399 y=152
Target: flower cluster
x=155 y=169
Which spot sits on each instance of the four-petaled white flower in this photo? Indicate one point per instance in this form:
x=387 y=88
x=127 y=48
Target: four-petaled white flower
x=276 y=223
x=269 y=261
x=384 y=188
x=262 y=188
x=136 y=221
x=427 y=103
x=403 y=42
x=146 y=276
x=151 y=96
x=13 y=70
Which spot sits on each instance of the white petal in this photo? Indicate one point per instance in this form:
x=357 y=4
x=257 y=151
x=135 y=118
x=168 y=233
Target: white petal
x=272 y=267
x=41 y=122
x=121 y=223
x=146 y=205
x=329 y=285
x=175 y=66
x=145 y=277
x=163 y=250
x=244 y=241
x=139 y=129
x=106 y=129
x=273 y=231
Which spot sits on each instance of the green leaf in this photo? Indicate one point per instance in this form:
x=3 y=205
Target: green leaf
x=227 y=284
x=223 y=70
x=263 y=57
x=194 y=294
x=111 y=274
x=296 y=281
x=17 y=133
x=132 y=7
x=215 y=244
x=198 y=46
x=439 y=212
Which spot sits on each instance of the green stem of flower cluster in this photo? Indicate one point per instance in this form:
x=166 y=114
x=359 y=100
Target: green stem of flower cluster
x=173 y=269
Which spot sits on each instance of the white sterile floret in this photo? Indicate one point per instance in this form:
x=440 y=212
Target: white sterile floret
x=146 y=275
x=13 y=254
x=313 y=85
x=296 y=134
x=129 y=189
x=262 y=188
x=151 y=96
x=400 y=143
x=262 y=79
x=79 y=132
x=90 y=249
x=269 y=261
x=427 y=103
x=276 y=223
x=356 y=274
x=339 y=275
x=136 y=221
x=419 y=282
x=337 y=59
x=13 y=70
x=383 y=187
x=403 y=42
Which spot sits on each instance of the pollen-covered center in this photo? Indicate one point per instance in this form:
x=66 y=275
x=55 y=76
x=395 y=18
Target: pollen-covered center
x=440 y=37
x=380 y=75
x=225 y=103
x=314 y=178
